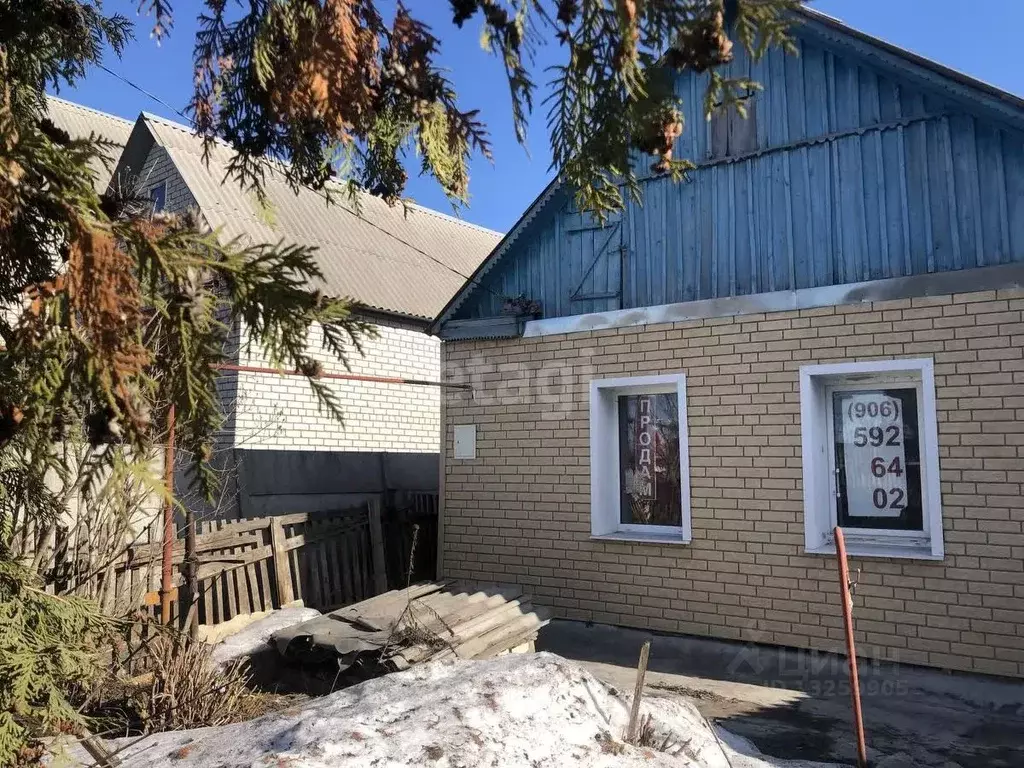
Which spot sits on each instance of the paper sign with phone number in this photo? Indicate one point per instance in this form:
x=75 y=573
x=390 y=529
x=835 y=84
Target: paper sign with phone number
x=875 y=461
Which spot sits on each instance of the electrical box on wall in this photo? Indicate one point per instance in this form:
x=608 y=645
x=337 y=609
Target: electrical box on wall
x=465 y=441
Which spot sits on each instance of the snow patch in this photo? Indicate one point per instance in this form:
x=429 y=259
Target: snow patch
x=533 y=711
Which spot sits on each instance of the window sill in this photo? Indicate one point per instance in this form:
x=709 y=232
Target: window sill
x=894 y=551
x=634 y=537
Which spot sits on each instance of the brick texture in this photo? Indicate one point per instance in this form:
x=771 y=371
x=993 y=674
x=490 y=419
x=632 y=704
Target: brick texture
x=520 y=511
x=281 y=412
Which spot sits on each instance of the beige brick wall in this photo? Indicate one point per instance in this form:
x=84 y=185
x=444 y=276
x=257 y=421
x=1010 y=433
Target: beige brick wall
x=521 y=511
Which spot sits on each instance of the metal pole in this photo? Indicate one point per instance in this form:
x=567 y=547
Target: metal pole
x=851 y=651
x=168 y=552
x=340 y=376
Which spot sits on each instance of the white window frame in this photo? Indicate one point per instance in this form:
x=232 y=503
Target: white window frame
x=605 y=489
x=817 y=383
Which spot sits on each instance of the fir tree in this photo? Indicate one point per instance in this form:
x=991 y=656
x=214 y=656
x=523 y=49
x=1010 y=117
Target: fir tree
x=335 y=86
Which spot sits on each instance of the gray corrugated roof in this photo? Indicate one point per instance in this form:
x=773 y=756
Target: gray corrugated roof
x=81 y=121
x=371 y=257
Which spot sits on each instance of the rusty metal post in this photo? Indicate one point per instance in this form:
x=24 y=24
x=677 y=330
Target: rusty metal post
x=851 y=651
x=168 y=552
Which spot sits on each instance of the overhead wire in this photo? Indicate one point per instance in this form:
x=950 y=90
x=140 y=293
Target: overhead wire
x=389 y=233
x=144 y=92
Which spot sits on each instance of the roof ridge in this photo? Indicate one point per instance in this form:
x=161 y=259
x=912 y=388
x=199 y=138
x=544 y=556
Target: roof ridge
x=455 y=219
x=167 y=121
x=936 y=66
x=85 y=108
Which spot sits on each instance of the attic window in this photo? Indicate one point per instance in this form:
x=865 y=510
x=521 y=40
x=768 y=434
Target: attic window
x=731 y=134
x=158 y=196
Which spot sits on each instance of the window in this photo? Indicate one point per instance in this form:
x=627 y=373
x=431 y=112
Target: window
x=870 y=456
x=639 y=462
x=731 y=133
x=157 y=196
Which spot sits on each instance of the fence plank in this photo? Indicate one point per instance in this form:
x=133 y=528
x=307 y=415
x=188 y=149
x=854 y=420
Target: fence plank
x=345 y=566
x=328 y=559
x=231 y=583
x=242 y=582
x=205 y=590
x=206 y=542
x=365 y=567
x=380 y=568
x=281 y=577
x=331 y=555
x=320 y=554
x=299 y=578
x=266 y=596
x=315 y=587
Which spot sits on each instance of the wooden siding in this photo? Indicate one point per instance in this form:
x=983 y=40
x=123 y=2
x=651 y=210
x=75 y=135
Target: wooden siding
x=859 y=174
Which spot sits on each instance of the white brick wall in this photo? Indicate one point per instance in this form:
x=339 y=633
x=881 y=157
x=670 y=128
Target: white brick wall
x=280 y=412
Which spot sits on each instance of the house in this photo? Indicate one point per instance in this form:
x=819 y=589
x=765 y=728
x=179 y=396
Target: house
x=79 y=121
x=821 y=327
x=278 y=451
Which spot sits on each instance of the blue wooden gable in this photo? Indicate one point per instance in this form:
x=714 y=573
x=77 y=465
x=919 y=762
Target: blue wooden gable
x=861 y=162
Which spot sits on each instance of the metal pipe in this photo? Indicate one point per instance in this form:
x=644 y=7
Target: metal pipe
x=340 y=376
x=851 y=651
x=166 y=564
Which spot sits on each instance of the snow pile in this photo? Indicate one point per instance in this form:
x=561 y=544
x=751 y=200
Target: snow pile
x=532 y=710
x=255 y=638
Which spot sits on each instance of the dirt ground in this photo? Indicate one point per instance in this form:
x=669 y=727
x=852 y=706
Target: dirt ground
x=796 y=705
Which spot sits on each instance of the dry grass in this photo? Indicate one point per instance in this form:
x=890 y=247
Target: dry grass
x=647 y=736
x=185 y=688
x=174 y=684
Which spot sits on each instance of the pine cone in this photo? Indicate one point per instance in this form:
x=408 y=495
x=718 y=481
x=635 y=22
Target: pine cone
x=463 y=11
x=311 y=368
x=10 y=417
x=702 y=46
x=567 y=11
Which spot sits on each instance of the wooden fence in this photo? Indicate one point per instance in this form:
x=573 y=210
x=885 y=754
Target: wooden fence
x=326 y=559
x=410 y=535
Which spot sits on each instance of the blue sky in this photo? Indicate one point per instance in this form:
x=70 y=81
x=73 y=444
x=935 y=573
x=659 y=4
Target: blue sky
x=978 y=38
